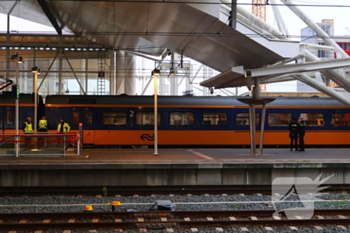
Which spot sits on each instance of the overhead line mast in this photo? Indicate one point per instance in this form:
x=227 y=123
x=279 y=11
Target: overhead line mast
x=259 y=10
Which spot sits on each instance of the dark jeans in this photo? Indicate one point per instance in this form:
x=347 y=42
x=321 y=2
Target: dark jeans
x=301 y=143
x=293 y=143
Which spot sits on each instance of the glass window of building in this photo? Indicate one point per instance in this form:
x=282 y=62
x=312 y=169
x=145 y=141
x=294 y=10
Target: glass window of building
x=146 y=118
x=340 y=119
x=76 y=118
x=313 y=119
x=181 y=118
x=10 y=117
x=114 y=118
x=279 y=119
x=242 y=118
x=211 y=118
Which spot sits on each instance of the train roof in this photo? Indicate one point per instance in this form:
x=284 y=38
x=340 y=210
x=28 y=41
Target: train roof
x=7 y=98
x=184 y=100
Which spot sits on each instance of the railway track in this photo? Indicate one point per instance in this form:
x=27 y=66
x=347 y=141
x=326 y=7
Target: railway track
x=149 y=190
x=166 y=220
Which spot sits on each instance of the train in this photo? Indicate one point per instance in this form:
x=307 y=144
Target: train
x=185 y=121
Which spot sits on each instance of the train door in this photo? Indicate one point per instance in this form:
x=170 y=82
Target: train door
x=84 y=116
x=131 y=118
x=9 y=119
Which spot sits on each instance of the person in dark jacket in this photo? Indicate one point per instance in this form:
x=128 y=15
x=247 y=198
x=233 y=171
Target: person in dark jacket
x=301 y=133
x=293 y=134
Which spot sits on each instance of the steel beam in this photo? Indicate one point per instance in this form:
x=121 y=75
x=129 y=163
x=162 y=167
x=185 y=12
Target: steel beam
x=297 y=68
x=50 y=16
x=321 y=87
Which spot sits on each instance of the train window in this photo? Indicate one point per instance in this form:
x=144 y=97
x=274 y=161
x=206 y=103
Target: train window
x=114 y=118
x=279 y=119
x=181 y=118
x=340 y=119
x=242 y=118
x=76 y=118
x=10 y=117
x=313 y=119
x=211 y=118
x=88 y=118
x=146 y=118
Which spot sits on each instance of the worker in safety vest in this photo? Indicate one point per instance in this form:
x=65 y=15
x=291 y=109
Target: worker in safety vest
x=301 y=133
x=293 y=134
x=42 y=126
x=27 y=129
x=63 y=127
x=28 y=126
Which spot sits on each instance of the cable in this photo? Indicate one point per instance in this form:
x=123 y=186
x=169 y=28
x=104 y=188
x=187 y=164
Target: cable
x=204 y=3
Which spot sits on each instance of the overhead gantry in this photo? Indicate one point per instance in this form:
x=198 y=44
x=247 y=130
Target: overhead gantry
x=253 y=78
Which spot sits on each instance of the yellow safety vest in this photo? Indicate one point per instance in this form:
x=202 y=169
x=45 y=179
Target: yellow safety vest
x=43 y=124
x=66 y=127
x=28 y=128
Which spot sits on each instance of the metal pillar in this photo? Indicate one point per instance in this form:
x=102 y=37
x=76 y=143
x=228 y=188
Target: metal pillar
x=35 y=90
x=8 y=88
x=262 y=129
x=130 y=73
x=252 y=128
x=155 y=79
x=60 y=77
x=120 y=72
x=86 y=72
x=17 y=113
x=112 y=73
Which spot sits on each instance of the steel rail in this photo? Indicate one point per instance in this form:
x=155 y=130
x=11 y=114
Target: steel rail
x=170 y=223
x=177 y=214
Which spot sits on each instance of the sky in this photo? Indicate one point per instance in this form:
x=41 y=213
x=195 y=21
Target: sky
x=339 y=14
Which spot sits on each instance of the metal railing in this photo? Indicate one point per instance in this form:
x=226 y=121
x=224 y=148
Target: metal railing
x=40 y=144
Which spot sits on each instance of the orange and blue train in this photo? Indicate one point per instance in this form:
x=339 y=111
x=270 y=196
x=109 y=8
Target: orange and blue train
x=185 y=121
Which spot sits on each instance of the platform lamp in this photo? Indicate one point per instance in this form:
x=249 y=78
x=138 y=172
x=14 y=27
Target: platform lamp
x=35 y=71
x=16 y=58
x=155 y=74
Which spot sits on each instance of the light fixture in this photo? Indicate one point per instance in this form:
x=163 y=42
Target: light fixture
x=16 y=58
x=35 y=70
x=67 y=91
x=156 y=72
x=172 y=72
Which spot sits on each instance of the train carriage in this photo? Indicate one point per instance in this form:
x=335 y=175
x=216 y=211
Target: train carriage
x=197 y=121
x=26 y=109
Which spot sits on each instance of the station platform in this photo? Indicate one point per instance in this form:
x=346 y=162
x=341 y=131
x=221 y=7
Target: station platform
x=96 y=167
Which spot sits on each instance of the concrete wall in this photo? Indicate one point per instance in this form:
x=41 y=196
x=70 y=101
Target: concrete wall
x=164 y=174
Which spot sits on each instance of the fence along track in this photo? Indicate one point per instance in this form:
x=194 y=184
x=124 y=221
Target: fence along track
x=148 y=190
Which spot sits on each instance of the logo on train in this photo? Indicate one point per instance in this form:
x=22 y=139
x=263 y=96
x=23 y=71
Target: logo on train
x=295 y=196
x=147 y=137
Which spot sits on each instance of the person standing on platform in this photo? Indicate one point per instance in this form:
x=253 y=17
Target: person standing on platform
x=293 y=134
x=42 y=129
x=28 y=129
x=301 y=133
x=63 y=127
